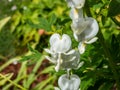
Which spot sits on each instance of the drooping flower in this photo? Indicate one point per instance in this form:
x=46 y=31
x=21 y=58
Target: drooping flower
x=76 y=3
x=78 y=26
x=61 y=53
x=85 y=30
x=69 y=83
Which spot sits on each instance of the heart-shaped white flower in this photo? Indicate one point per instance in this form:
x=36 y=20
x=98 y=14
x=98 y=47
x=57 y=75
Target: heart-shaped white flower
x=85 y=29
x=69 y=83
x=60 y=44
x=60 y=53
x=76 y=3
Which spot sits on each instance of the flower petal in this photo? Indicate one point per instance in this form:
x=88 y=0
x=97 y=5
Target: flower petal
x=92 y=29
x=54 y=38
x=48 y=51
x=81 y=47
x=91 y=40
x=56 y=88
x=76 y=3
x=79 y=25
x=60 y=44
x=70 y=61
x=70 y=52
x=65 y=43
x=75 y=14
x=69 y=83
x=84 y=31
x=50 y=59
x=80 y=65
x=70 y=3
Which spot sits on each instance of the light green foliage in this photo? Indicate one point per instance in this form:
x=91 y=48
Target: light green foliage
x=101 y=70
x=4 y=80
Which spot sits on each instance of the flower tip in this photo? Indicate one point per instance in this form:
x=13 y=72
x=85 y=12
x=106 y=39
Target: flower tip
x=80 y=64
x=92 y=40
x=81 y=48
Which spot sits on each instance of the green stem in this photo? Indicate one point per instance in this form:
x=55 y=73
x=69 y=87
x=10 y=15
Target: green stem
x=20 y=76
x=32 y=76
x=9 y=62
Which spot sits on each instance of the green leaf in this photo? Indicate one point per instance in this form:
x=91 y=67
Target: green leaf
x=3 y=80
x=106 y=86
x=41 y=85
x=114 y=8
x=32 y=50
x=3 y=22
x=89 y=79
x=49 y=87
x=32 y=76
x=48 y=70
x=7 y=43
x=44 y=24
x=33 y=57
x=8 y=79
x=86 y=83
x=52 y=19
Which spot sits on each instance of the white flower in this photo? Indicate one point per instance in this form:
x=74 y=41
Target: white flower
x=85 y=30
x=61 y=54
x=82 y=45
x=71 y=61
x=80 y=25
x=69 y=83
x=76 y=3
x=60 y=44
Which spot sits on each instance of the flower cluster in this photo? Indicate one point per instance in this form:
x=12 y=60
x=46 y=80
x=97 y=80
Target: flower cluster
x=84 y=28
x=61 y=53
